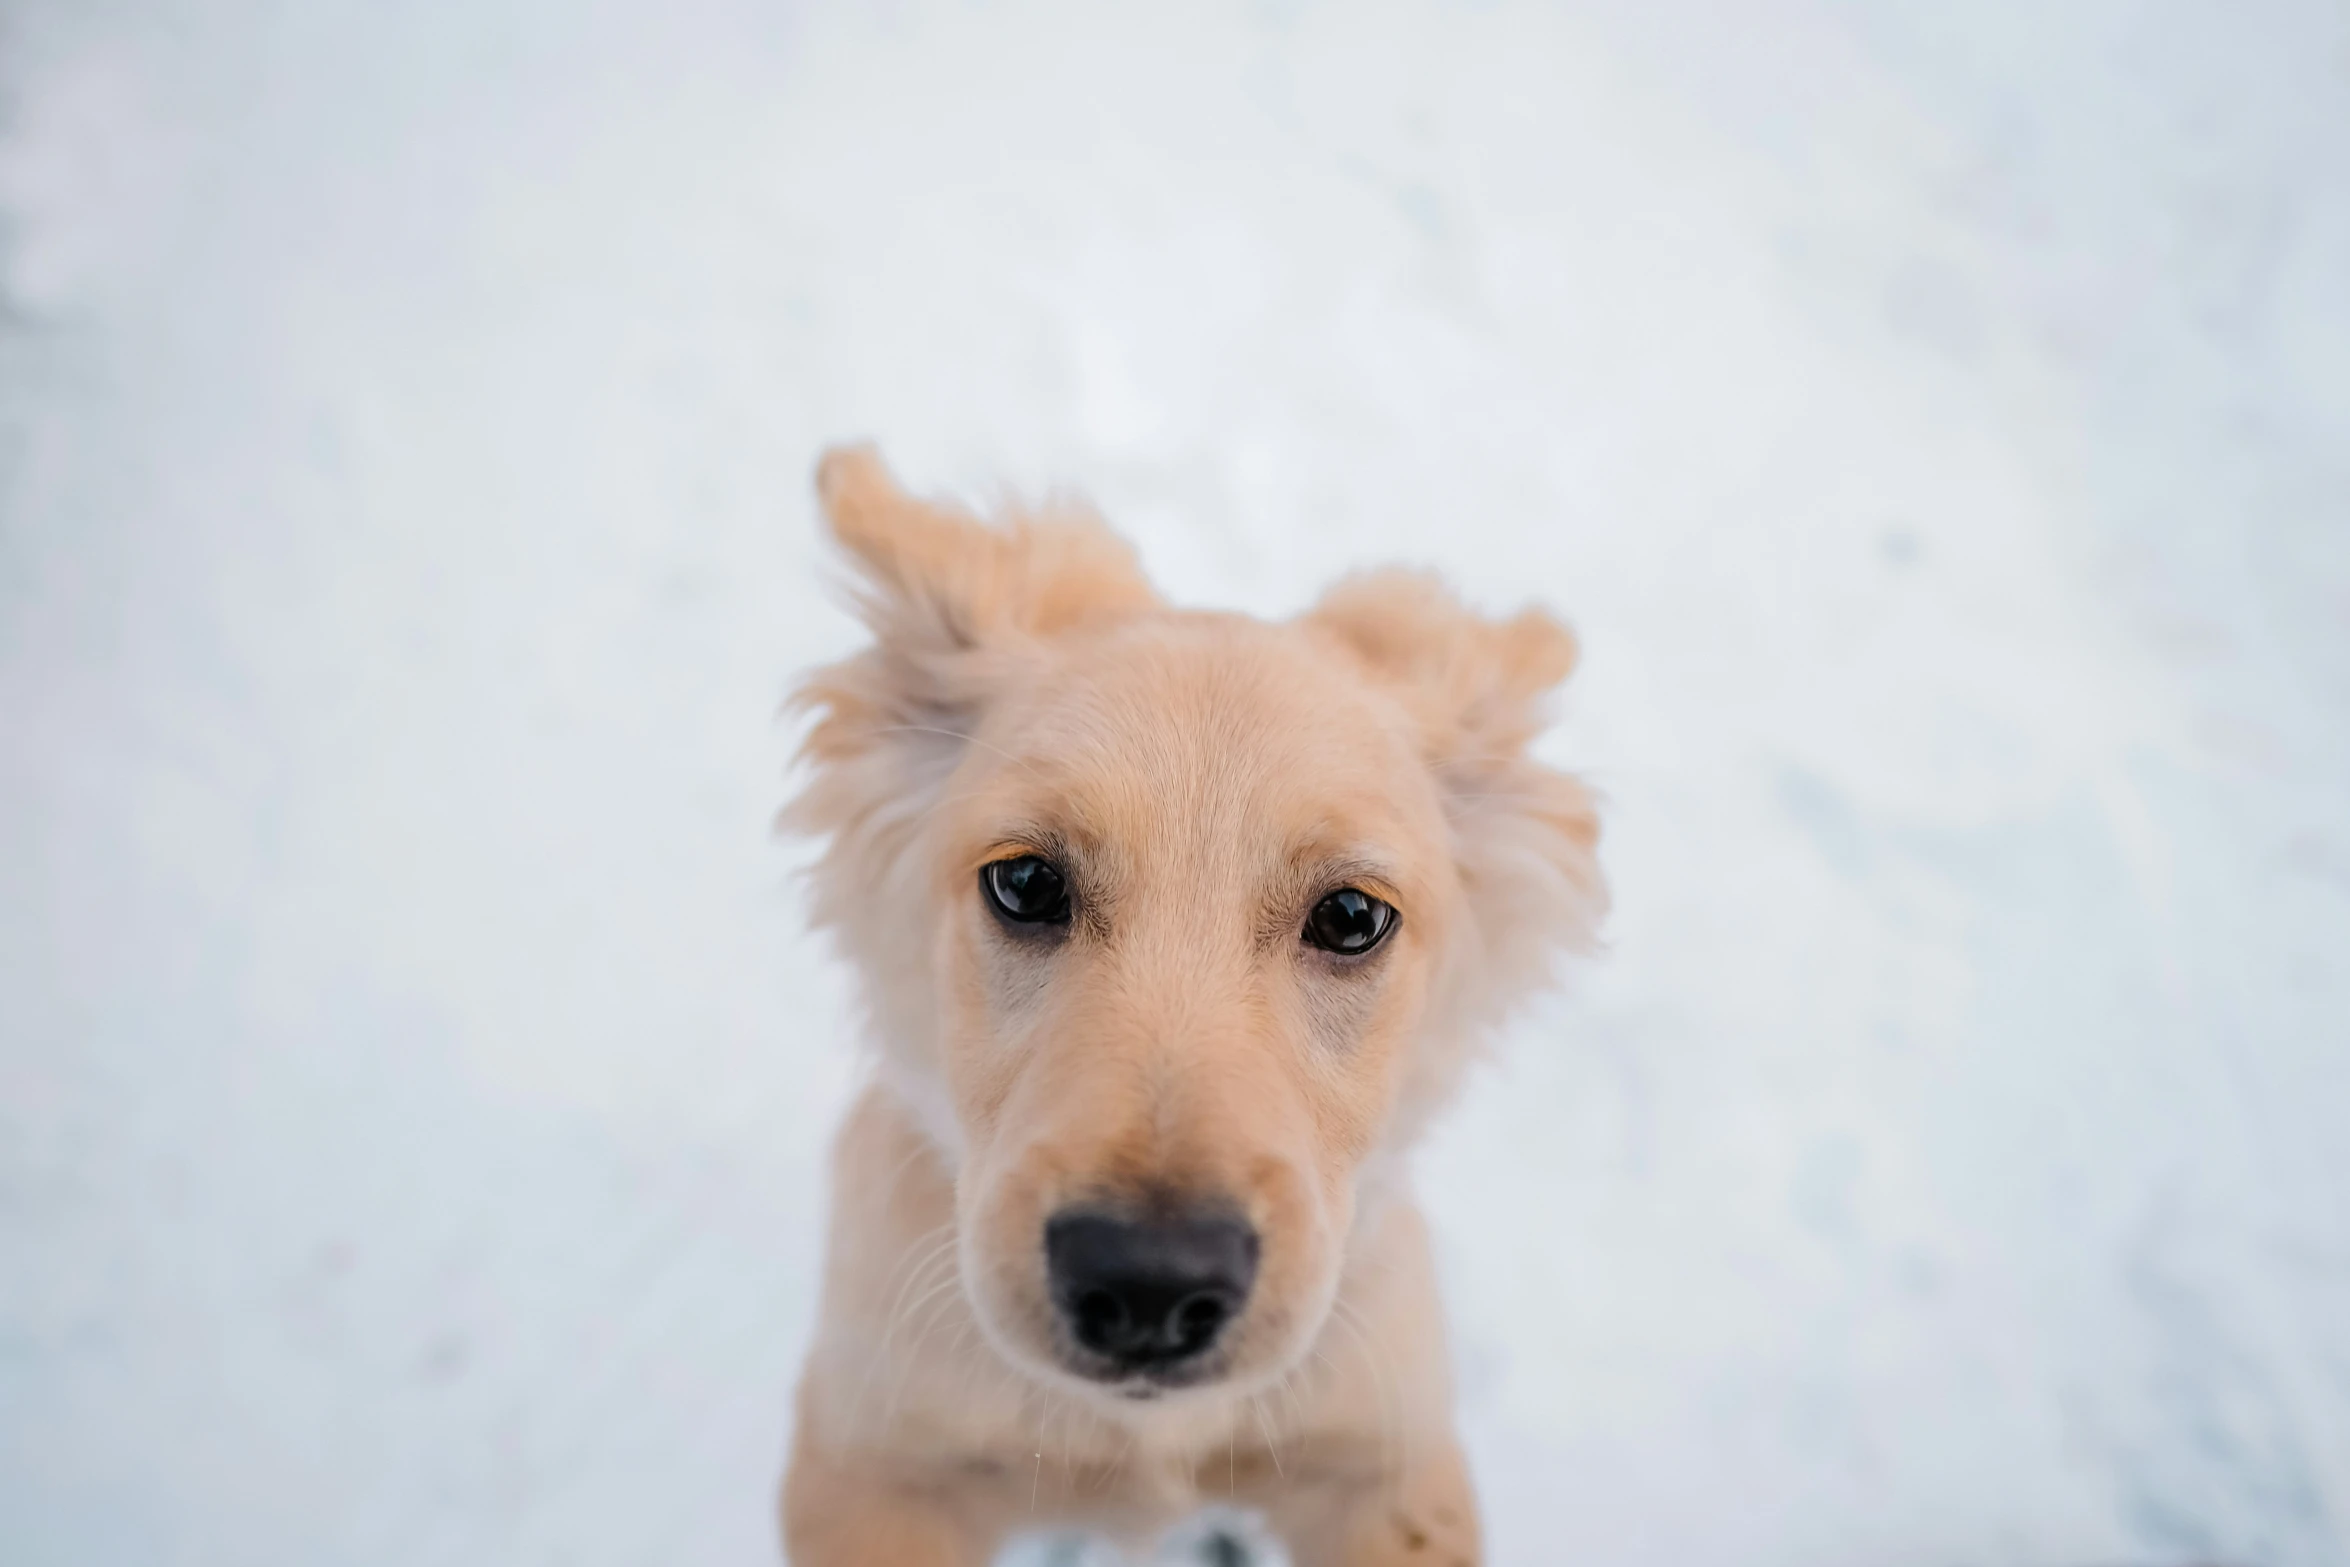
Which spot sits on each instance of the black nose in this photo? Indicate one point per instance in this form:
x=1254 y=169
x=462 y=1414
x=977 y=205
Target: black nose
x=1148 y=1293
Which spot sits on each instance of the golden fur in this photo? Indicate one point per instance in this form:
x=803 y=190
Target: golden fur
x=1206 y=777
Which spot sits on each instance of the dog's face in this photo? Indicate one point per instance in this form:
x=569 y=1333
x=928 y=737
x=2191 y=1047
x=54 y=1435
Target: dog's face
x=1174 y=924
x=1190 y=885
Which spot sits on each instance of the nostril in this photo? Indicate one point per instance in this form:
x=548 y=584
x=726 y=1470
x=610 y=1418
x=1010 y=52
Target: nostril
x=1101 y=1321
x=1198 y=1320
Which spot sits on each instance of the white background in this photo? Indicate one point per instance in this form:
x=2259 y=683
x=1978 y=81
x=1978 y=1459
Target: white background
x=1936 y=419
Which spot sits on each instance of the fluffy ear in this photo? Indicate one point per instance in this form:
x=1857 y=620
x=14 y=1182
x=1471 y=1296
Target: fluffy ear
x=954 y=604
x=950 y=599
x=937 y=580
x=1525 y=835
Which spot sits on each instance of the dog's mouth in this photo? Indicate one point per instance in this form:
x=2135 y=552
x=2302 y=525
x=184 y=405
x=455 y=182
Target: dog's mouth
x=1143 y=1382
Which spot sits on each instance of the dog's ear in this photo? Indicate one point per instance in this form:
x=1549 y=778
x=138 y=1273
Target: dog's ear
x=1525 y=835
x=956 y=605
x=939 y=581
x=952 y=601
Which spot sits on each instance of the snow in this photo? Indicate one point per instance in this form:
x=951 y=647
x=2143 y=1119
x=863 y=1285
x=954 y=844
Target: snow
x=413 y=1075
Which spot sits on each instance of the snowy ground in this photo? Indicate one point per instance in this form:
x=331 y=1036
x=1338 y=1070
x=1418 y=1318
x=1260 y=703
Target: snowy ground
x=413 y=1081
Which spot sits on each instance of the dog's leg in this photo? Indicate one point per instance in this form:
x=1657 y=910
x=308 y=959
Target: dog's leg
x=844 y=1513
x=1424 y=1517
x=1390 y=1489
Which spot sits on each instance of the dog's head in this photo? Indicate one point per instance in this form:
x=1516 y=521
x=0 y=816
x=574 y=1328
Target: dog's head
x=1173 y=925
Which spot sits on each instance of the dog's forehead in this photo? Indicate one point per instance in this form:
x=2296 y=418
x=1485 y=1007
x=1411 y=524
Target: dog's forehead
x=1231 y=725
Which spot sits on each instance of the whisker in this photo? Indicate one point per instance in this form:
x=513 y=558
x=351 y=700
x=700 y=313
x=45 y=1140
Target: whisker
x=950 y=734
x=918 y=1263
x=939 y=1300
x=1232 y=1454
x=1394 y=1459
x=1272 y=1448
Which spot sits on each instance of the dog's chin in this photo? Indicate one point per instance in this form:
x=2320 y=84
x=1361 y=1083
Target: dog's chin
x=1128 y=1392
x=1123 y=1388
x=1146 y=1384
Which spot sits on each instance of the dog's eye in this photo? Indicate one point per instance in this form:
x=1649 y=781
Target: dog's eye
x=1029 y=889
x=1349 y=922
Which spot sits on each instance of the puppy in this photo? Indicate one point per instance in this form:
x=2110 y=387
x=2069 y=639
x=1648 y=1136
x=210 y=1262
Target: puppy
x=1174 y=929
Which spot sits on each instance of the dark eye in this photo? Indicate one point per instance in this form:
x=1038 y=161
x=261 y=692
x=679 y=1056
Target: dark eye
x=1349 y=922
x=1029 y=889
